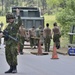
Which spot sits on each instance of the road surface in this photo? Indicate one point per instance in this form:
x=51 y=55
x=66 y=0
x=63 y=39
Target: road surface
x=29 y=64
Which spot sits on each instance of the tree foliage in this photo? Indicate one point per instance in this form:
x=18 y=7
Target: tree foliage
x=46 y=5
x=52 y=3
x=67 y=16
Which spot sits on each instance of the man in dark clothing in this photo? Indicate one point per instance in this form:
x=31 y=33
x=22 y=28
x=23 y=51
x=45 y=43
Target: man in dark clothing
x=56 y=35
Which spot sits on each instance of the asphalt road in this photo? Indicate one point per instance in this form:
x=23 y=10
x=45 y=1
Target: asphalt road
x=29 y=64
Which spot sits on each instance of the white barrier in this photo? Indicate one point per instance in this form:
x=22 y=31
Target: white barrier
x=2 y=43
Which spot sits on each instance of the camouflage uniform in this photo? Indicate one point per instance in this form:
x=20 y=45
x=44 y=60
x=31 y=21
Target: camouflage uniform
x=56 y=36
x=47 y=38
x=11 y=45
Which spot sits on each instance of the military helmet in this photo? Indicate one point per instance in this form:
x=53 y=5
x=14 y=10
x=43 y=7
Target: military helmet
x=10 y=16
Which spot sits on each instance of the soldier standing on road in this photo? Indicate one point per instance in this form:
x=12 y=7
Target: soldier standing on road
x=11 y=45
x=22 y=35
x=56 y=35
x=47 y=37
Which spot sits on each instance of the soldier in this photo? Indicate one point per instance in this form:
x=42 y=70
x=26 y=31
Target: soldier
x=38 y=31
x=32 y=37
x=56 y=35
x=11 y=45
x=47 y=37
x=39 y=34
x=22 y=35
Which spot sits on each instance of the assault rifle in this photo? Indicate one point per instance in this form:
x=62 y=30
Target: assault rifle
x=6 y=35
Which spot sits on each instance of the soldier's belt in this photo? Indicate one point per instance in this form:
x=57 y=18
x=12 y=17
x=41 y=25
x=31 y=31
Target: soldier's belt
x=35 y=38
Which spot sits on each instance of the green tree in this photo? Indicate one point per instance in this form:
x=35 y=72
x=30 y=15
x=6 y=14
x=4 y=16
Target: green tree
x=52 y=4
x=66 y=17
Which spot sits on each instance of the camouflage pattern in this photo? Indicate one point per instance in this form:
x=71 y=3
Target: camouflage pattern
x=32 y=42
x=56 y=36
x=11 y=45
x=9 y=16
x=47 y=41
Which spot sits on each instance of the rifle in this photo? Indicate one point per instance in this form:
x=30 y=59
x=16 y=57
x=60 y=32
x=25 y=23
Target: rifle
x=5 y=33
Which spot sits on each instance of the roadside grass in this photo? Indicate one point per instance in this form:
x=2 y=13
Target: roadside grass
x=49 y=19
x=64 y=41
x=3 y=20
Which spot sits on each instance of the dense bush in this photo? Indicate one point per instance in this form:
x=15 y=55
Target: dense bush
x=66 y=17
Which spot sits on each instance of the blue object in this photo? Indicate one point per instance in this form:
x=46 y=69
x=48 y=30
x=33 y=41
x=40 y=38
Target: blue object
x=71 y=51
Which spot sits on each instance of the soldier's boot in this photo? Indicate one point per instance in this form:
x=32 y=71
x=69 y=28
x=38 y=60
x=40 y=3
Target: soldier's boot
x=57 y=45
x=14 y=69
x=21 y=52
x=10 y=70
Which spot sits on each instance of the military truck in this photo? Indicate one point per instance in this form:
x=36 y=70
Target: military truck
x=31 y=16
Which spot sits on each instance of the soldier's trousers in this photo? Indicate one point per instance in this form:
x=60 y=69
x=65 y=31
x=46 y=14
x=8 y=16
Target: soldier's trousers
x=11 y=54
x=47 y=41
x=56 y=40
x=22 y=39
x=32 y=42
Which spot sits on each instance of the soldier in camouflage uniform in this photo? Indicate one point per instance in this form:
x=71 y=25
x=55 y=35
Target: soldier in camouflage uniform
x=56 y=35
x=11 y=45
x=47 y=37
